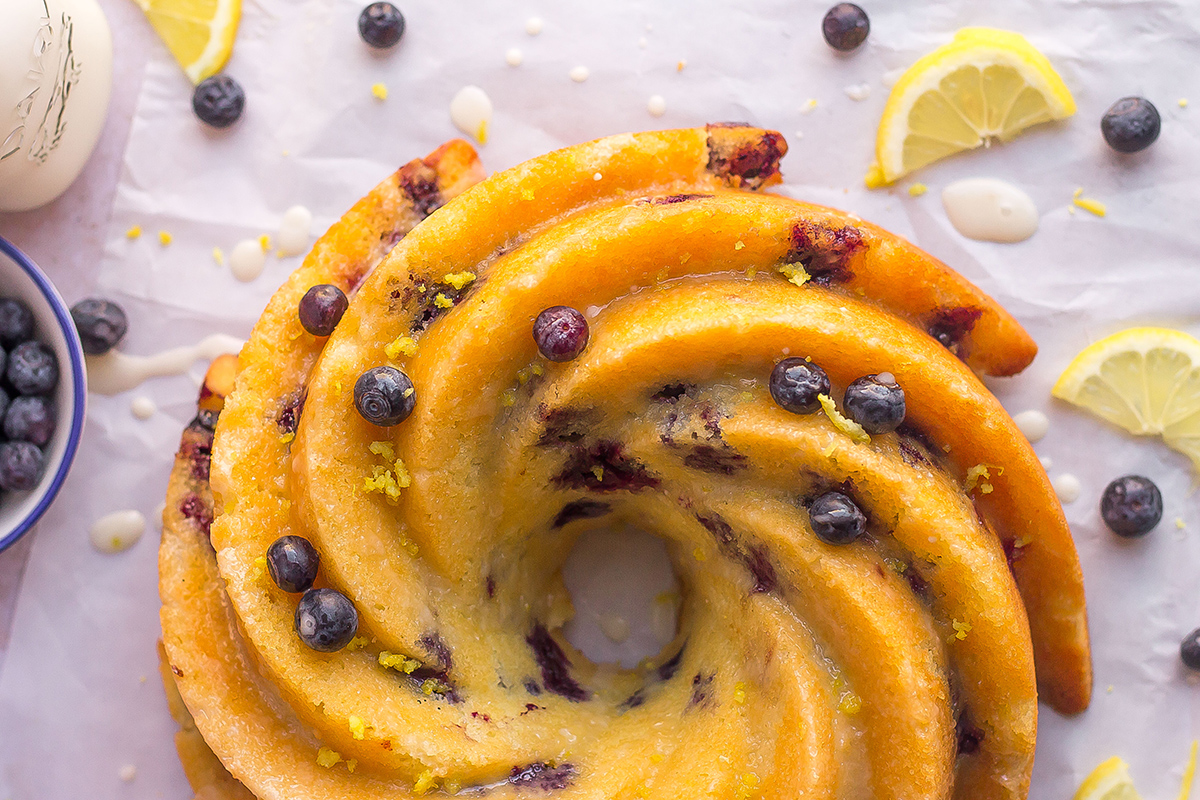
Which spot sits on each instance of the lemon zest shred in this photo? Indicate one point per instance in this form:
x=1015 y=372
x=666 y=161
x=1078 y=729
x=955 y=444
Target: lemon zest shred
x=357 y=643
x=379 y=90
x=401 y=345
x=527 y=194
x=264 y=242
x=508 y=398
x=961 y=629
x=426 y=782
x=850 y=703
x=459 y=279
x=739 y=245
x=134 y=232
x=1189 y=772
x=287 y=438
x=219 y=256
x=656 y=758
x=739 y=693
x=795 y=273
x=1090 y=205
x=165 y=238
x=351 y=764
x=327 y=757
x=847 y=426
x=398 y=662
x=358 y=728
x=441 y=301
x=917 y=189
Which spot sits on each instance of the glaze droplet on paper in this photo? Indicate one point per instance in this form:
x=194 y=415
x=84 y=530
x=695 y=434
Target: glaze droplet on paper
x=1033 y=423
x=657 y=105
x=580 y=74
x=1067 y=487
x=294 y=231
x=116 y=372
x=990 y=210
x=142 y=407
x=118 y=531
x=247 y=260
x=514 y=57
x=471 y=112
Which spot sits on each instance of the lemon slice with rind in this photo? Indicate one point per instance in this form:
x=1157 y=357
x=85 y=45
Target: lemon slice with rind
x=199 y=33
x=1145 y=380
x=984 y=85
x=1109 y=781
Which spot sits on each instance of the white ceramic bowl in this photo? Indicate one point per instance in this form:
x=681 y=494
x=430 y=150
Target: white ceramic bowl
x=21 y=278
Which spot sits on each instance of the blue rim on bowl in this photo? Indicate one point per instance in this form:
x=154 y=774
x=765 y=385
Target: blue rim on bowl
x=49 y=488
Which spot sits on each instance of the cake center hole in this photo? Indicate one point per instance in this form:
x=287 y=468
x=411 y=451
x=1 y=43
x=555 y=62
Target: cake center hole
x=626 y=595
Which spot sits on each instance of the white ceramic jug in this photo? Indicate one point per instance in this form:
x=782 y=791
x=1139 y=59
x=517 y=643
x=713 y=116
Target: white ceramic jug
x=55 y=81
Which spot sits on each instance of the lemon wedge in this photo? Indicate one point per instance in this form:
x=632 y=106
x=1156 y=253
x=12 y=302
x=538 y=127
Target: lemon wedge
x=199 y=33
x=1145 y=380
x=986 y=84
x=1109 y=781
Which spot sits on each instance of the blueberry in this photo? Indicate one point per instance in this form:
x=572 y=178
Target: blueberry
x=1130 y=124
x=381 y=25
x=384 y=396
x=321 y=309
x=836 y=519
x=1131 y=506
x=876 y=402
x=561 y=333
x=292 y=562
x=845 y=27
x=795 y=384
x=30 y=419
x=32 y=368
x=4 y=401
x=20 y=466
x=101 y=325
x=219 y=101
x=326 y=620
x=16 y=322
x=1189 y=650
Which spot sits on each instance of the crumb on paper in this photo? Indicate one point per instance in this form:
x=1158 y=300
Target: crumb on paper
x=379 y=90
x=679 y=67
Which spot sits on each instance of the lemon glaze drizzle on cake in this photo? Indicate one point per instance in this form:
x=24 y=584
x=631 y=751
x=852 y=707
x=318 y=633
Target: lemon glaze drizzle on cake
x=555 y=428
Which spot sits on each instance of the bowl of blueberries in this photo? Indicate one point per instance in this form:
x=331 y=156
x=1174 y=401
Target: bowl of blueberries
x=43 y=393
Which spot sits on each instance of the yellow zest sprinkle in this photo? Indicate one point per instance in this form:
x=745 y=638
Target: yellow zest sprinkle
x=527 y=194
x=402 y=345
x=379 y=90
x=408 y=392
x=1078 y=192
x=441 y=301
x=831 y=449
x=164 y=238
x=843 y=424
x=656 y=758
x=683 y=259
x=357 y=643
x=327 y=757
x=358 y=728
x=264 y=242
x=850 y=703
x=398 y=662
x=411 y=547
x=662 y=274
x=795 y=273
x=481 y=133
x=1090 y=205
x=508 y=398
x=917 y=189
x=451 y=787
x=525 y=374
x=382 y=449
x=739 y=693
x=698 y=554
x=459 y=279
x=978 y=475
x=1189 y=772
x=1179 y=523
x=1183 y=102
x=642 y=791
x=747 y=786
x=133 y=232
x=287 y=438
x=598 y=471
x=751 y=272
x=260 y=567
x=679 y=67
x=425 y=783
x=1024 y=541
x=352 y=765
x=219 y=256
x=739 y=245
x=961 y=629
x=430 y=686
x=1110 y=688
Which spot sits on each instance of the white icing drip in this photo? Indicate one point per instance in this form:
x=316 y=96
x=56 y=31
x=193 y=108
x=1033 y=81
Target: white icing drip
x=514 y=57
x=657 y=105
x=580 y=74
x=1067 y=487
x=858 y=91
x=116 y=372
x=471 y=112
x=294 y=231
x=142 y=407
x=990 y=210
x=1047 y=462
x=614 y=627
x=534 y=25
x=118 y=531
x=1033 y=423
x=247 y=260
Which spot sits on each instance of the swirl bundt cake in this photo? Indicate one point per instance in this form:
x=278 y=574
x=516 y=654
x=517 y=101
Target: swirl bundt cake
x=864 y=605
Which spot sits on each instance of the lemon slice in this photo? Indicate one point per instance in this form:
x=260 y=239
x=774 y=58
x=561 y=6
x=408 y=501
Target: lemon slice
x=986 y=84
x=1146 y=380
x=1109 y=781
x=199 y=33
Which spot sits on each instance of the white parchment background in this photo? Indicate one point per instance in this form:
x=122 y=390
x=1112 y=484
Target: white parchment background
x=73 y=703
